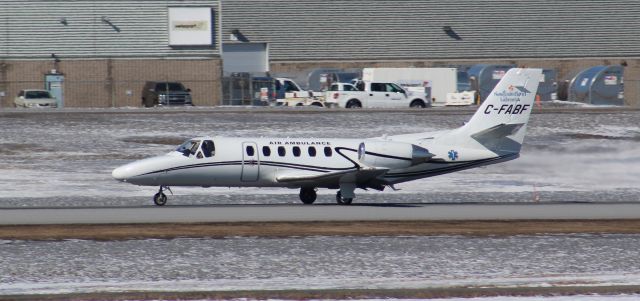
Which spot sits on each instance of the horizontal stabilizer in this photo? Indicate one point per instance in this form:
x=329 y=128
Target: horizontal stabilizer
x=496 y=138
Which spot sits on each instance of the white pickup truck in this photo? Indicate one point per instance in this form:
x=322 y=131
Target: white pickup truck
x=374 y=95
x=288 y=93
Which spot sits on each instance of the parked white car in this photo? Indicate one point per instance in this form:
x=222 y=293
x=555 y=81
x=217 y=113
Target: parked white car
x=374 y=95
x=33 y=98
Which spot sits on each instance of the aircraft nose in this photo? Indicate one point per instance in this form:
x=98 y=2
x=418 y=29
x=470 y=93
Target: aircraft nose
x=121 y=173
x=142 y=172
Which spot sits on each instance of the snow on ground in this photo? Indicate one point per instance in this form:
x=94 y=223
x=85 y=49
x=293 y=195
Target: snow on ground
x=245 y=263
x=67 y=159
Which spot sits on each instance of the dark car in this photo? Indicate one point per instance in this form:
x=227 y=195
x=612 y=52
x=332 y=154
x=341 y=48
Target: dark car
x=165 y=93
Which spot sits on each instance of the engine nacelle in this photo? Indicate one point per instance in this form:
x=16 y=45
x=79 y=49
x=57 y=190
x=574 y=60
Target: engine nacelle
x=390 y=154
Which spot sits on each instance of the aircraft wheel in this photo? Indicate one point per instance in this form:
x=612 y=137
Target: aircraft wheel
x=160 y=199
x=342 y=201
x=308 y=195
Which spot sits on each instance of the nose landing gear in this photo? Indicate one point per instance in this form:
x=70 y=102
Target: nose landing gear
x=343 y=201
x=160 y=199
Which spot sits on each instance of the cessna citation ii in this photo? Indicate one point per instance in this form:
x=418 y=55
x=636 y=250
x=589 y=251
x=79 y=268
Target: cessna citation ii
x=494 y=134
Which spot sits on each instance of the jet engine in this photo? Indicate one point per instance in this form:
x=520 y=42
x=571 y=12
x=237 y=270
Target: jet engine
x=392 y=155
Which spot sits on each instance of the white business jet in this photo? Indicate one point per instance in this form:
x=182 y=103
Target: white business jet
x=494 y=134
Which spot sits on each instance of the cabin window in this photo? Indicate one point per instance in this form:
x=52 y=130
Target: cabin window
x=312 y=151
x=266 y=151
x=296 y=151
x=250 y=151
x=208 y=148
x=281 y=151
x=327 y=151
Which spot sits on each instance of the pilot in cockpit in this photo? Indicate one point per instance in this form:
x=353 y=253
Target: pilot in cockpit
x=204 y=149
x=208 y=148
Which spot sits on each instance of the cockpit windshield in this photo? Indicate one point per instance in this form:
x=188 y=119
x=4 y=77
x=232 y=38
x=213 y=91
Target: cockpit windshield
x=189 y=147
x=196 y=147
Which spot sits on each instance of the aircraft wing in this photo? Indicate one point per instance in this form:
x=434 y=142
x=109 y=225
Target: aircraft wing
x=360 y=176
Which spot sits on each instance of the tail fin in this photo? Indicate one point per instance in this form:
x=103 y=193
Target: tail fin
x=505 y=112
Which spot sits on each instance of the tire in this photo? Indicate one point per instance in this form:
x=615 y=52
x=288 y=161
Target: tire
x=148 y=103
x=417 y=103
x=353 y=104
x=342 y=201
x=308 y=195
x=160 y=199
x=317 y=104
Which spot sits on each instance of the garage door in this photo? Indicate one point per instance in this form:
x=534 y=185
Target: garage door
x=245 y=57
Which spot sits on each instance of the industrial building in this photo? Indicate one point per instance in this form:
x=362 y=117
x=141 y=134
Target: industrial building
x=100 y=53
x=106 y=50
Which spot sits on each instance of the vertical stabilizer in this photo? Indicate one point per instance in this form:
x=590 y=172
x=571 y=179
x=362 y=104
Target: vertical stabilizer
x=506 y=110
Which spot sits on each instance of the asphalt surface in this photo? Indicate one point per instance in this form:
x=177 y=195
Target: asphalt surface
x=298 y=213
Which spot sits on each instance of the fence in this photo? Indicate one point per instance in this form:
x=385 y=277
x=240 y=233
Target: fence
x=244 y=89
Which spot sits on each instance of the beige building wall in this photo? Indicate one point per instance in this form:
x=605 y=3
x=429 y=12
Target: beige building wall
x=113 y=82
x=566 y=68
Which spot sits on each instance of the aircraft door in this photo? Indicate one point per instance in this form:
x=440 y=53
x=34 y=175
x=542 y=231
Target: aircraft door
x=250 y=162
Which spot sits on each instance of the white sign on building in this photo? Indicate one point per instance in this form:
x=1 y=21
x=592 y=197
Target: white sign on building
x=190 y=26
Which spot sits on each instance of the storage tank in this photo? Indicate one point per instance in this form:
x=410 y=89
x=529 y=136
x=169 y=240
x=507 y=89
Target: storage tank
x=483 y=78
x=599 y=85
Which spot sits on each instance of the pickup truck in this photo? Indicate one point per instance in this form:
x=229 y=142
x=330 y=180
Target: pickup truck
x=374 y=95
x=288 y=93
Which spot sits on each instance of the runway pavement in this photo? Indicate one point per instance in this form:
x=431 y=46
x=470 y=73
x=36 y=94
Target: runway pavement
x=299 y=213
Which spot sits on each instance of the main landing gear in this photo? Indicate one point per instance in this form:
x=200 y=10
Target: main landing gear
x=308 y=195
x=160 y=198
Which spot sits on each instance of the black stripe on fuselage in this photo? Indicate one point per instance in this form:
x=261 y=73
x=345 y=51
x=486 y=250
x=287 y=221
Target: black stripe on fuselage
x=451 y=168
x=285 y=164
x=267 y=163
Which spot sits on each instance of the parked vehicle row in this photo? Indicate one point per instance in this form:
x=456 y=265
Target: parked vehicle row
x=153 y=94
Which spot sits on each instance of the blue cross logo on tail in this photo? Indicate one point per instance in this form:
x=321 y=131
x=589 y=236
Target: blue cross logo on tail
x=453 y=155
